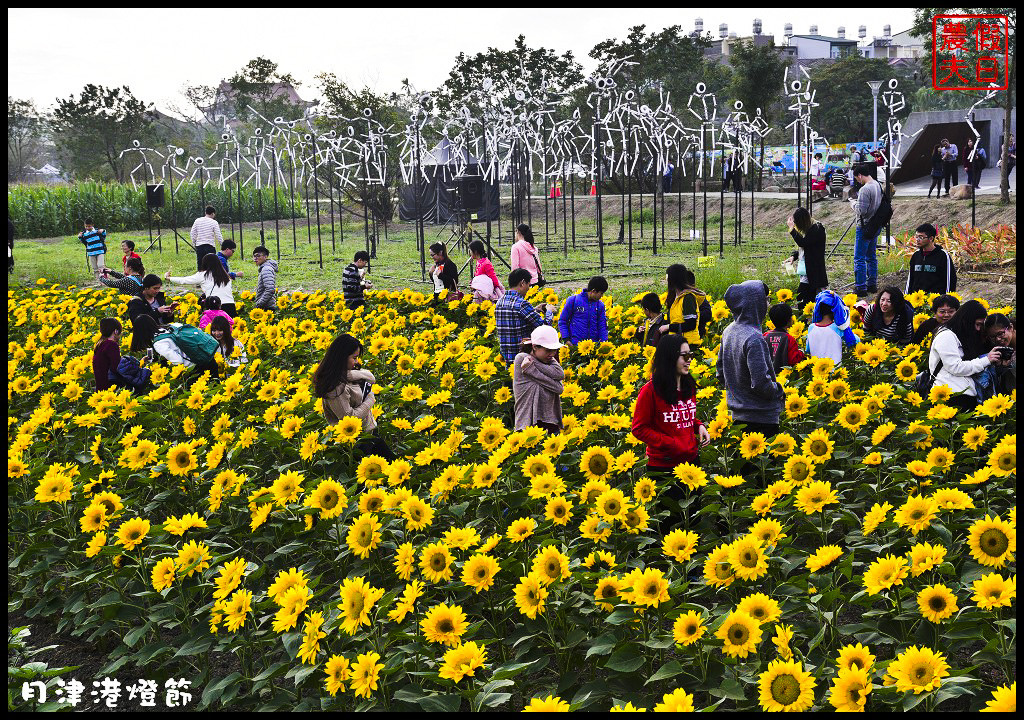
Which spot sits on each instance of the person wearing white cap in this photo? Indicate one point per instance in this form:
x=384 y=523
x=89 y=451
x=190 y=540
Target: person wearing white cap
x=537 y=382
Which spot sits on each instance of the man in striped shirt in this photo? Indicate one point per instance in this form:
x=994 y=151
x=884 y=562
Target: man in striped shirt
x=206 y=237
x=353 y=282
x=94 y=240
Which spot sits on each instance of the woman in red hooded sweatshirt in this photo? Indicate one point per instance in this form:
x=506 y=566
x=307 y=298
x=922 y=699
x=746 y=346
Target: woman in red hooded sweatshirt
x=665 y=417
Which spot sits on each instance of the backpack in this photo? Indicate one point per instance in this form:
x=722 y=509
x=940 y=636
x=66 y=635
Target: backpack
x=881 y=217
x=926 y=378
x=129 y=374
x=196 y=345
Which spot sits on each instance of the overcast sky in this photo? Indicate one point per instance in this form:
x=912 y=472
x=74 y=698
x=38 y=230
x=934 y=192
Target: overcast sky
x=54 y=53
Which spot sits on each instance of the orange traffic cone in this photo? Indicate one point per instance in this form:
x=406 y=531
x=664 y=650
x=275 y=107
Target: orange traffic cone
x=558 y=189
x=552 y=193
x=593 y=188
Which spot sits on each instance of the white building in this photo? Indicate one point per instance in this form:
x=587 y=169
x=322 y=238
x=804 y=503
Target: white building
x=901 y=46
x=814 y=47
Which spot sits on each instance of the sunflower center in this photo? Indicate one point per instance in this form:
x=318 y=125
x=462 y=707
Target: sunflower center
x=937 y=603
x=785 y=689
x=738 y=634
x=181 y=458
x=916 y=514
x=598 y=465
x=1007 y=461
x=611 y=507
x=854 y=695
x=691 y=629
x=437 y=562
x=651 y=590
x=446 y=626
x=818 y=447
x=559 y=511
x=356 y=607
x=922 y=674
x=551 y=569
x=994 y=542
x=329 y=500
x=758 y=612
x=481 y=573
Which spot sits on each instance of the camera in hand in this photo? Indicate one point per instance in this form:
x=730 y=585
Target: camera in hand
x=1005 y=353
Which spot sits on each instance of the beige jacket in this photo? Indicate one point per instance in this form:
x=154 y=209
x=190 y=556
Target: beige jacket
x=347 y=400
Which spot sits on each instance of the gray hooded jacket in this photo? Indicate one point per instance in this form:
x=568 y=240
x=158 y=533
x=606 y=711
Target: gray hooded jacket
x=744 y=360
x=266 y=286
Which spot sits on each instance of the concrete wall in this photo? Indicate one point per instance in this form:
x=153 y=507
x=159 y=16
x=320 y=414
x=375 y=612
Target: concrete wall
x=951 y=124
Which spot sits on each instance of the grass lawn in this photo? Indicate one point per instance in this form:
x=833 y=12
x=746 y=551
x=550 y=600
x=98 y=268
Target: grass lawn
x=398 y=261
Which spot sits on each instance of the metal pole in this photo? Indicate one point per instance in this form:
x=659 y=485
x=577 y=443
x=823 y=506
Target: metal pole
x=277 y=209
x=316 y=202
x=565 y=228
x=174 y=220
x=330 y=204
x=704 y=185
x=418 y=195
x=291 y=191
x=799 y=174
x=679 y=194
x=721 y=204
x=629 y=187
x=241 y=213
x=599 y=158
x=572 y=204
x=974 y=181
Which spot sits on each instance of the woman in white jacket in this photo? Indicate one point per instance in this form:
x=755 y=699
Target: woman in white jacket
x=957 y=345
x=213 y=279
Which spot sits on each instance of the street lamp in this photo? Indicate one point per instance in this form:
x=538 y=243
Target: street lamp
x=875 y=86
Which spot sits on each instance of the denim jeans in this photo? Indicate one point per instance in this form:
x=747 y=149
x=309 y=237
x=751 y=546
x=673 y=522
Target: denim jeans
x=865 y=261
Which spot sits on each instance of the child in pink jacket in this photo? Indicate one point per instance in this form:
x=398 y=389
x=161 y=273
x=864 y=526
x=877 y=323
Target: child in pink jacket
x=525 y=254
x=211 y=310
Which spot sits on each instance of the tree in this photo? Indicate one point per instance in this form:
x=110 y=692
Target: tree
x=923 y=28
x=90 y=132
x=507 y=70
x=262 y=87
x=341 y=100
x=670 y=58
x=757 y=77
x=25 y=128
x=844 y=112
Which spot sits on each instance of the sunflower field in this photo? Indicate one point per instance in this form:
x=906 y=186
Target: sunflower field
x=220 y=530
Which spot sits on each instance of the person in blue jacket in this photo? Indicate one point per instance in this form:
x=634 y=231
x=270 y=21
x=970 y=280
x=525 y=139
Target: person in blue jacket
x=583 y=316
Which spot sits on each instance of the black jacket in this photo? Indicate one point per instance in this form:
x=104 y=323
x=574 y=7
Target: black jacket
x=139 y=306
x=932 y=272
x=813 y=244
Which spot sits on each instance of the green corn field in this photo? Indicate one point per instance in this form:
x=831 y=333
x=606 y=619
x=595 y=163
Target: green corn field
x=53 y=210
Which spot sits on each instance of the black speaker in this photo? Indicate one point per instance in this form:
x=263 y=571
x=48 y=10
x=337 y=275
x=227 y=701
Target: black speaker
x=155 y=196
x=471 y=187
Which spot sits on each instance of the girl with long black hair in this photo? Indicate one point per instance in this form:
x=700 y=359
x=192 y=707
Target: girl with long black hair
x=346 y=390
x=213 y=279
x=220 y=329
x=665 y=416
x=953 y=357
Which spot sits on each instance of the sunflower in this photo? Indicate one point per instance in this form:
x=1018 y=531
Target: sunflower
x=405 y=561
x=796 y=405
x=530 y=594
x=768 y=531
x=688 y=628
x=939 y=394
x=690 y=475
x=717 y=568
x=1003 y=460
x=649 y=587
x=747 y=558
x=544 y=486
x=363 y=535
x=550 y=565
x=995 y=406
x=285 y=581
x=591 y=528
x=782 y=445
x=181 y=459
x=814 y=496
x=140 y=455
x=462 y=661
x=875 y=517
x=940 y=458
x=852 y=417
x=975 y=437
x=1004 y=699
x=163 y=574
x=676 y=701
x=348 y=429
x=417 y=512
x=398 y=472
x=132 y=532
x=287 y=487
x=786 y=687
x=916 y=513
x=952 y=499
x=817 y=388
x=597 y=462
x=679 y=545
x=884 y=573
x=855 y=657
x=918 y=669
x=552 y=703
x=372 y=470
x=993 y=590
x=817 y=446
x=519 y=530
x=937 y=602
x=478 y=572
x=94 y=518
x=824 y=556
x=993 y=541
x=850 y=690
x=357 y=600
x=925 y=557
x=365 y=674
x=752 y=445
x=436 y=562
x=558 y=510
x=193 y=557
x=537 y=465
x=644 y=490
x=760 y=607
x=739 y=634
x=329 y=498
x=611 y=504
x=798 y=469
